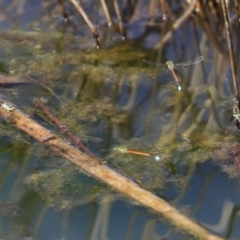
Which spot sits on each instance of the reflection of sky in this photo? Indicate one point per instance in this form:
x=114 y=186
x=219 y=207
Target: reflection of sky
x=20 y=14
x=113 y=220
x=212 y=196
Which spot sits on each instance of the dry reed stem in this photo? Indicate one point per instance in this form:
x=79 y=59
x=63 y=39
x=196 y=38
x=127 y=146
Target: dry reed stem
x=231 y=53
x=88 y=22
x=104 y=173
x=4 y=79
x=207 y=28
x=65 y=15
x=176 y=25
x=74 y=140
x=120 y=21
x=164 y=7
x=106 y=12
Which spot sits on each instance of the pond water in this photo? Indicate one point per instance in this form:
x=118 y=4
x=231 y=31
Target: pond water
x=126 y=112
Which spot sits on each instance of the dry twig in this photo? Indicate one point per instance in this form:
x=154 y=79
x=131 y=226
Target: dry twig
x=88 y=22
x=107 y=13
x=120 y=20
x=231 y=54
x=176 y=25
x=65 y=15
x=75 y=141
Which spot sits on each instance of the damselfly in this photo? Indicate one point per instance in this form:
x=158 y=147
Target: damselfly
x=171 y=66
x=136 y=152
x=147 y=154
x=236 y=114
x=235 y=104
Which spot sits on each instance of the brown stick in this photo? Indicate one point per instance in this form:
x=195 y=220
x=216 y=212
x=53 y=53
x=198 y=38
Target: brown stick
x=210 y=32
x=176 y=25
x=5 y=79
x=65 y=15
x=107 y=13
x=231 y=54
x=105 y=174
x=120 y=20
x=76 y=142
x=165 y=8
x=88 y=22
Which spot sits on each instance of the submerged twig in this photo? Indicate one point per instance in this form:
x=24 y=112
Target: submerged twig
x=88 y=22
x=176 y=25
x=231 y=53
x=209 y=31
x=120 y=27
x=120 y=20
x=14 y=79
x=105 y=174
x=107 y=13
x=164 y=8
x=65 y=15
x=32 y=79
x=76 y=142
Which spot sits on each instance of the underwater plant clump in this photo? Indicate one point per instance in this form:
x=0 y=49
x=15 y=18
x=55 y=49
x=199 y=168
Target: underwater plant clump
x=227 y=155
x=65 y=189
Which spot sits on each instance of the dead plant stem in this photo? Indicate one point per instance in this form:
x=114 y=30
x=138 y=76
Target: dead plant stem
x=75 y=141
x=231 y=53
x=176 y=25
x=88 y=21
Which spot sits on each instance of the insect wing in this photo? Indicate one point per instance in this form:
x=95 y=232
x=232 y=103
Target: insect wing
x=190 y=62
x=154 y=63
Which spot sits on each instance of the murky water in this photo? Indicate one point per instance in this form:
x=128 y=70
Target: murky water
x=117 y=105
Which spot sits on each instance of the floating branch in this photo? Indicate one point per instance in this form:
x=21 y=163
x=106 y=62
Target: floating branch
x=101 y=171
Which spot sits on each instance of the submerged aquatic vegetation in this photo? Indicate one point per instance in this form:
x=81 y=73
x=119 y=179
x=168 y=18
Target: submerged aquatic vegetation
x=64 y=188
x=227 y=154
x=8 y=209
x=91 y=112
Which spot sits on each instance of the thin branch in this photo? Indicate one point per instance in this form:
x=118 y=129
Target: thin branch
x=231 y=53
x=120 y=20
x=107 y=13
x=14 y=79
x=210 y=33
x=75 y=141
x=88 y=22
x=176 y=25
x=165 y=8
x=65 y=15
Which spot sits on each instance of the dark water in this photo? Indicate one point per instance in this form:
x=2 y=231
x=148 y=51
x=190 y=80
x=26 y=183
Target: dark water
x=111 y=99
